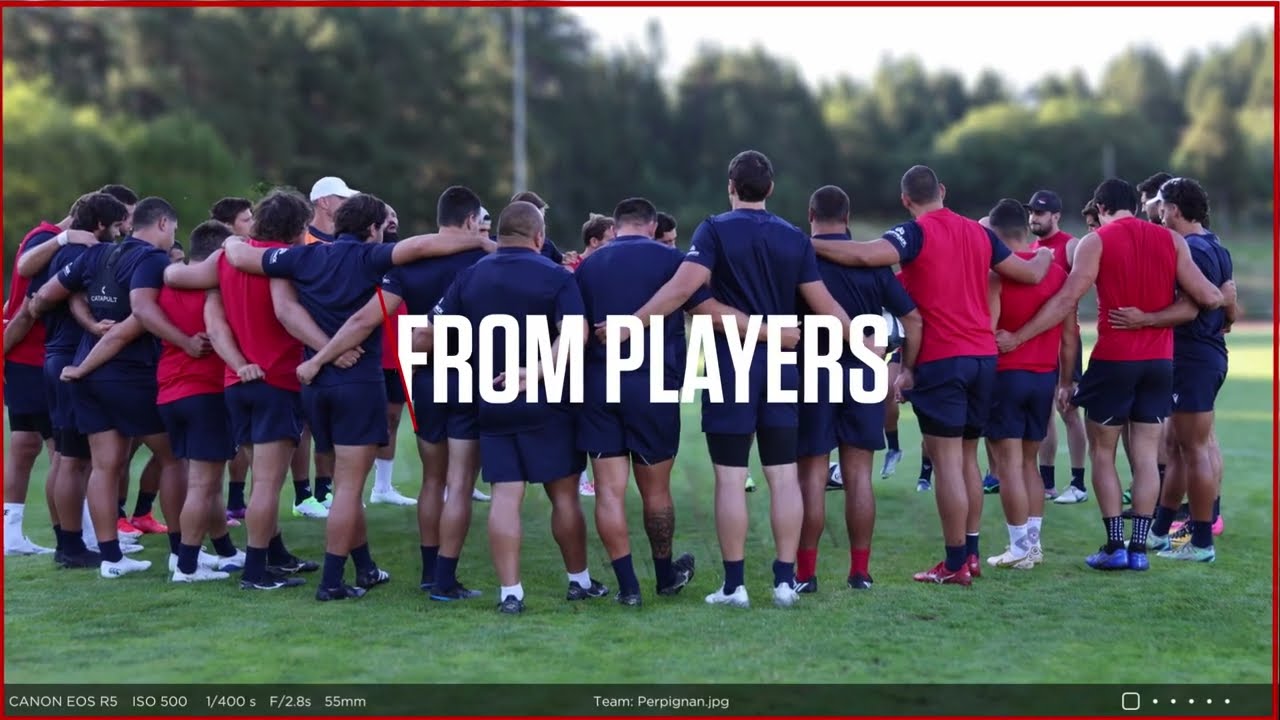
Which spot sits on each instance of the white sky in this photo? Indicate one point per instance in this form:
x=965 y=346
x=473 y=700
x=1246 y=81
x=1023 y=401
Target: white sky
x=1028 y=42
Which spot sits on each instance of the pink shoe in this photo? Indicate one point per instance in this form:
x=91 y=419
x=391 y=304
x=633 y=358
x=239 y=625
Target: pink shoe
x=1217 y=526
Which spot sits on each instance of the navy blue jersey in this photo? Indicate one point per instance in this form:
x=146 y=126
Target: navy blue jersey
x=423 y=282
x=62 y=334
x=618 y=279
x=139 y=265
x=522 y=283
x=757 y=261
x=860 y=291
x=1202 y=341
x=334 y=281
x=551 y=252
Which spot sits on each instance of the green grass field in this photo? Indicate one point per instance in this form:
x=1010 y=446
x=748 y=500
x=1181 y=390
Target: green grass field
x=1061 y=623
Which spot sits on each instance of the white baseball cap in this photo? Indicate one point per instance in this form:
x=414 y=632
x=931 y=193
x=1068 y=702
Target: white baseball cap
x=327 y=186
x=484 y=215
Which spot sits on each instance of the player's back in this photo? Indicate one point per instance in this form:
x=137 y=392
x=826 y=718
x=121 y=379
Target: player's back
x=1203 y=340
x=179 y=375
x=758 y=260
x=1137 y=268
x=108 y=270
x=859 y=291
x=251 y=315
x=423 y=282
x=62 y=332
x=1019 y=303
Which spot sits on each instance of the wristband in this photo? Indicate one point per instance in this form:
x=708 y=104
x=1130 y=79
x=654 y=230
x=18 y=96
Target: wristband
x=62 y=239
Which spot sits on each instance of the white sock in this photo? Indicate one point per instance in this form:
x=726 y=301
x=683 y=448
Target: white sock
x=1033 y=531
x=86 y=524
x=583 y=579
x=1018 y=544
x=583 y=479
x=13 y=515
x=382 y=475
x=505 y=592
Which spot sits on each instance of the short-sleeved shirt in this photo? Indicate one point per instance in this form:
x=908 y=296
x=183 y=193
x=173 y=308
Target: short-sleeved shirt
x=316 y=235
x=139 y=265
x=1202 y=341
x=757 y=261
x=30 y=351
x=521 y=283
x=179 y=375
x=620 y=278
x=946 y=261
x=62 y=333
x=1019 y=303
x=860 y=291
x=334 y=282
x=421 y=283
x=251 y=316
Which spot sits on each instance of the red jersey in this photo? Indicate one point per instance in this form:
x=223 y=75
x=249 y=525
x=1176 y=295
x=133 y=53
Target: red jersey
x=1138 y=268
x=31 y=350
x=946 y=260
x=390 y=339
x=178 y=374
x=1018 y=304
x=1058 y=244
x=251 y=315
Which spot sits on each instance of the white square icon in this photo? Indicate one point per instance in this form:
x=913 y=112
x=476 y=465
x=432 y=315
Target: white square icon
x=1130 y=701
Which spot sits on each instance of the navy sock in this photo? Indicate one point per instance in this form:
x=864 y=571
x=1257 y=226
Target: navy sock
x=144 y=503
x=891 y=438
x=1138 y=538
x=73 y=542
x=175 y=542
x=1077 y=477
x=235 y=496
x=301 y=491
x=430 y=553
x=1163 y=521
x=446 y=570
x=223 y=546
x=334 y=567
x=188 y=555
x=1201 y=534
x=362 y=559
x=324 y=486
x=733 y=574
x=1046 y=476
x=955 y=557
x=57 y=535
x=664 y=572
x=276 y=552
x=971 y=544
x=784 y=573
x=120 y=509
x=111 y=551
x=255 y=563
x=926 y=469
x=1115 y=532
x=1217 y=508
x=626 y=574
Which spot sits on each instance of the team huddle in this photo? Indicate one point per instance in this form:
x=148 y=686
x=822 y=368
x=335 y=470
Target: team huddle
x=277 y=330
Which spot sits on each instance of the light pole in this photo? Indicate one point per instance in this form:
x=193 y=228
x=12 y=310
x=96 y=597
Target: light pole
x=519 y=161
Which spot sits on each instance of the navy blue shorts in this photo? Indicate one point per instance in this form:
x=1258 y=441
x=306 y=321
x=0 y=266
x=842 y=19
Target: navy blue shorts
x=1115 y=392
x=439 y=421
x=1021 y=405
x=347 y=414
x=125 y=406
x=896 y=357
x=262 y=413
x=649 y=432
x=1196 y=387
x=825 y=425
x=68 y=441
x=952 y=396
x=24 y=395
x=199 y=428
x=395 y=389
x=734 y=418
x=538 y=456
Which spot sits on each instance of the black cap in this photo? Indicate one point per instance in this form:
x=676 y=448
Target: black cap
x=1044 y=201
x=1008 y=214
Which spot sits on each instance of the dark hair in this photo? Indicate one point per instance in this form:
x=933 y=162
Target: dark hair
x=455 y=205
x=1115 y=195
x=751 y=174
x=1190 y=198
x=1151 y=185
x=152 y=210
x=666 y=224
x=521 y=219
x=281 y=216
x=1090 y=210
x=633 y=211
x=97 y=209
x=1008 y=217
x=228 y=209
x=121 y=193
x=530 y=197
x=829 y=204
x=920 y=185
x=357 y=213
x=207 y=238
x=595 y=227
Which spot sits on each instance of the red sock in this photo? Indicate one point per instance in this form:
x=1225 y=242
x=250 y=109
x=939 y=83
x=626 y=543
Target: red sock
x=858 y=560
x=806 y=563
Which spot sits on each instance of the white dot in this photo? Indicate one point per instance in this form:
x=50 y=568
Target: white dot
x=1173 y=701
x=1191 y=701
x=1155 y=701
x=1227 y=701
x=1208 y=701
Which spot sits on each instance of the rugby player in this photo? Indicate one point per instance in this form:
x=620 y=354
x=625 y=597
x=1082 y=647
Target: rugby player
x=894 y=453
x=945 y=261
x=1025 y=389
x=666 y=232
x=855 y=429
x=237 y=214
x=549 y=249
x=1130 y=373
x=1149 y=195
x=384 y=492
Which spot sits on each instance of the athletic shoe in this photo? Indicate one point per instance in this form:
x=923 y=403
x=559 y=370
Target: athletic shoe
x=751 y=484
x=203 y=560
x=479 y=496
x=237 y=514
x=1126 y=498
x=835 y=478
x=737 y=599
x=126 y=547
x=991 y=485
x=310 y=508
x=511 y=605
x=232 y=522
x=586 y=488
x=293 y=564
x=232 y=563
x=1126 y=514
x=1180 y=538
x=1158 y=543
x=1050 y=494
x=327 y=502
x=785 y=595
x=942 y=576
x=1036 y=553
x=374 y=576
x=342 y=592
x=923 y=485
x=127 y=531
x=629 y=599
x=147 y=524
x=24 y=546
x=200 y=575
x=891 y=460
x=1138 y=561
x=390 y=497
x=1217 y=527
x=459 y=592
x=271 y=581
x=1071 y=496
x=77 y=561
x=1103 y=560
x=683 y=567
x=1190 y=553
x=1008 y=559
x=860 y=582
x=807 y=587
x=975 y=566
x=577 y=592
x=124 y=567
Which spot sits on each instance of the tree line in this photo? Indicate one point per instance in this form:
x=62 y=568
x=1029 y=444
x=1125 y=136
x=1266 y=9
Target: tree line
x=198 y=103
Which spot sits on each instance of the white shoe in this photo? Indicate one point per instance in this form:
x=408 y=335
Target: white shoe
x=129 y=548
x=200 y=575
x=390 y=497
x=1008 y=559
x=328 y=501
x=479 y=496
x=311 y=508
x=785 y=595
x=124 y=567
x=737 y=599
x=1071 y=496
x=231 y=564
x=1036 y=555
x=204 y=561
x=586 y=488
x=24 y=546
x=131 y=538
